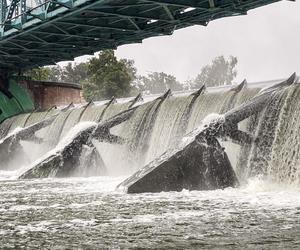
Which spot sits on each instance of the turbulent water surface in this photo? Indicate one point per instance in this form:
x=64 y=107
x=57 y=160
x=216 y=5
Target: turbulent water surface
x=89 y=213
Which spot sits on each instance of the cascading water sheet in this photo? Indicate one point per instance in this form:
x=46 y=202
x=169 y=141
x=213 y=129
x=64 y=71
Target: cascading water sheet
x=19 y=122
x=233 y=150
x=126 y=158
x=53 y=132
x=156 y=126
x=5 y=126
x=205 y=105
x=92 y=113
x=259 y=154
x=38 y=116
x=114 y=109
x=71 y=121
x=167 y=126
x=284 y=163
x=90 y=213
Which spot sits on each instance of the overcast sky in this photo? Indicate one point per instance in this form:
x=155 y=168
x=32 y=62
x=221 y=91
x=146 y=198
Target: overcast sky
x=266 y=43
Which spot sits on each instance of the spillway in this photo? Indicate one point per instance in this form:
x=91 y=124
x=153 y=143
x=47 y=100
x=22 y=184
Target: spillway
x=159 y=124
x=90 y=213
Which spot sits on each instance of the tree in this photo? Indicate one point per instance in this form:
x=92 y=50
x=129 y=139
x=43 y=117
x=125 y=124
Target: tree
x=158 y=82
x=108 y=77
x=76 y=73
x=55 y=73
x=219 y=72
x=38 y=74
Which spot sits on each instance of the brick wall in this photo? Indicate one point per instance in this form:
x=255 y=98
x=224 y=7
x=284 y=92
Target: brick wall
x=48 y=94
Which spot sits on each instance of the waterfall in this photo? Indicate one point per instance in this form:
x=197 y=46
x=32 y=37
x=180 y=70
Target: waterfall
x=160 y=123
x=72 y=119
x=92 y=113
x=276 y=154
x=5 y=126
x=20 y=121
x=166 y=128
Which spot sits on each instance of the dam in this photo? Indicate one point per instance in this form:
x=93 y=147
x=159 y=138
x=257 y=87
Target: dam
x=158 y=124
x=206 y=168
x=98 y=214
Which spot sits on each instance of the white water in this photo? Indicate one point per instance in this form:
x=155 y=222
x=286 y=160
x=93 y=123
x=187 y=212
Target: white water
x=89 y=213
x=156 y=126
x=12 y=133
x=67 y=139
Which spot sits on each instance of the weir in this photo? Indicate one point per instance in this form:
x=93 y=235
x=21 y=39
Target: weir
x=41 y=33
x=158 y=124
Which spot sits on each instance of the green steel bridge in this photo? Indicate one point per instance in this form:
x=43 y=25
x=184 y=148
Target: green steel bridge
x=43 y=32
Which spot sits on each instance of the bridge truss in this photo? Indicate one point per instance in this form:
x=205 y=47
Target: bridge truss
x=42 y=32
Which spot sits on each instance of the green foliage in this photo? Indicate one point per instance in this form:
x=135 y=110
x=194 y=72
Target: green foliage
x=75 y=73
x=219 y=72
x=101 y=78
x=55 y=73
x=105 y=76
x=158 y=82
x=108 y=77
x=38 y=74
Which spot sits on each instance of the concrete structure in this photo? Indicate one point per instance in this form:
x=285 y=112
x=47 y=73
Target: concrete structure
x=48 y=94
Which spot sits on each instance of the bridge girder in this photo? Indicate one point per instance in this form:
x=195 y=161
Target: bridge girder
x=54 y=30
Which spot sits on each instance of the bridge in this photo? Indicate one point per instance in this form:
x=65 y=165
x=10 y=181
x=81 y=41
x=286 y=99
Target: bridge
x=42 y=32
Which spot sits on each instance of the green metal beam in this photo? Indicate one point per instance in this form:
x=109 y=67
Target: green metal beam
x=63 y=29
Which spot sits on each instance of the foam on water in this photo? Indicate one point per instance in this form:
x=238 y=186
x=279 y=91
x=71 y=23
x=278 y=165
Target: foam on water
x=89 y=213
x=262 y=183
x=67 y=139
x=207 y=121
x=76 y=130
x=155 y=126
x=8 y=175
x=12 y=133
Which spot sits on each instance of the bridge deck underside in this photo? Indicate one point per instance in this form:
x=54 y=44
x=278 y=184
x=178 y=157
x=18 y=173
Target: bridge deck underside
x=64 y=29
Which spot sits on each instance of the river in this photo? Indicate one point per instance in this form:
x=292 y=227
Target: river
x=89 y=213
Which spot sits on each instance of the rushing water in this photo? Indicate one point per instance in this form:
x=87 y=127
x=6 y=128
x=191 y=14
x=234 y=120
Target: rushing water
x=88 y=213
